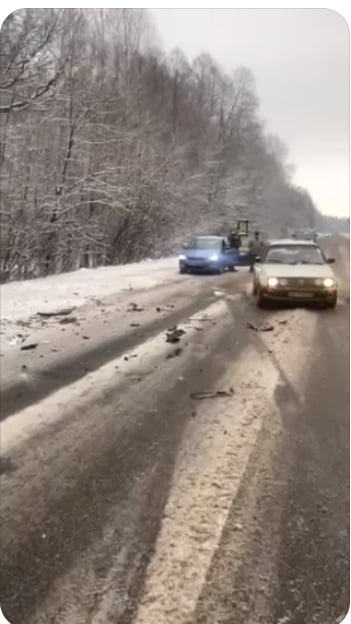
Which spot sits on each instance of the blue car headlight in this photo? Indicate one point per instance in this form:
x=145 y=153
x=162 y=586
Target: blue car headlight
x=214 y=258
x=182 y=257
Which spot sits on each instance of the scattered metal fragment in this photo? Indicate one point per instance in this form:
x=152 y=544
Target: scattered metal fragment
x=133 y=307
x=129 y=357
x=27 y=347
x=215 y=394
x=174 y=334
x=62 y=312
x=264 y=327
x=70 y=319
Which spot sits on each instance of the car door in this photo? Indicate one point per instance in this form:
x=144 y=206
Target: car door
x=230 y=254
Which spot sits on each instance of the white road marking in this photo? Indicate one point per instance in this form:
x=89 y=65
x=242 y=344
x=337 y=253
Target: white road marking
x=208 y=474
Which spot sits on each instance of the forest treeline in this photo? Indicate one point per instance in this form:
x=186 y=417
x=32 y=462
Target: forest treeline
x=112 y=151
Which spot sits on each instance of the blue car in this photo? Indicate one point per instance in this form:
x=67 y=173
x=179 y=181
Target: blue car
x=210 y=254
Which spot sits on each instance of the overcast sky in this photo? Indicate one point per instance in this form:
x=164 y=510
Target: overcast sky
x=300 y=61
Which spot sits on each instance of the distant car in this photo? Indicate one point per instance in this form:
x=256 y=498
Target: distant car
x=308 y=234
x=207 y=254
x=294 y=270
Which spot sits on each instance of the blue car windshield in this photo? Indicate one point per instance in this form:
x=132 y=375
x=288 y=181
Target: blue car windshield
x=205 y=243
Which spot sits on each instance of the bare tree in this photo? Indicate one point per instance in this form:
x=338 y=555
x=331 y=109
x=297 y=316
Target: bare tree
x=29 y=67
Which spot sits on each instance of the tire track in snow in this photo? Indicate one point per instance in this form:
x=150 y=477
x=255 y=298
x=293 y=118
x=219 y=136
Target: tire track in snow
x=209 y=473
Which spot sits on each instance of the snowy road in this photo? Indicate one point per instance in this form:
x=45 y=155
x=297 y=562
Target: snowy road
x=197 y=482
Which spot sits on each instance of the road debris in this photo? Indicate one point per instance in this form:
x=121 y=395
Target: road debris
x=16 y=339
x=174 y=353
x=264 y=327
x=134 y=324
x=27 y=347
x=129 y=357
x=283 y=322
x=70 y=319
x=215 y=394
x=238 y=526
x=133 y=307
x=62 y=312
x=174 y=334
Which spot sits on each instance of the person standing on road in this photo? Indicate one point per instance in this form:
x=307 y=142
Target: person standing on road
x=234 y=239
x=255 y=249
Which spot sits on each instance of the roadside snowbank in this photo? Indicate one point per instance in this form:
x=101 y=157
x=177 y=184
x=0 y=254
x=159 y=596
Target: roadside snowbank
x=21 y=300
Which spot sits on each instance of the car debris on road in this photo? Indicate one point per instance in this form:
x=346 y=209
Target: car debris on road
x=30 y=346
x=264 y=327
x=215 y=394
x=133 y=307
x=69 y=319
x=17 y=339
x=174 y=334
x=62 y=312
x=129 y=357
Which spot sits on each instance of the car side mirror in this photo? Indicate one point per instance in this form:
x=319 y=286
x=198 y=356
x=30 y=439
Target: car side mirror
x=330 y=260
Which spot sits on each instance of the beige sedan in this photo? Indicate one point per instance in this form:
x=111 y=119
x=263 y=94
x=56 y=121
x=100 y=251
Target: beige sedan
x=294 y=270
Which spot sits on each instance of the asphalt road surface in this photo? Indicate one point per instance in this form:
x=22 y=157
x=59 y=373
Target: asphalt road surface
x=203 y=481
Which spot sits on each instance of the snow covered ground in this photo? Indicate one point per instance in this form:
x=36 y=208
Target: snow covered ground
x=21 y=300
